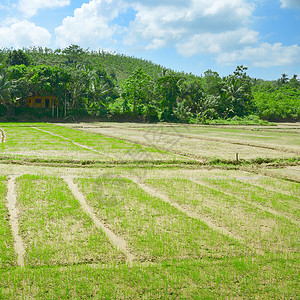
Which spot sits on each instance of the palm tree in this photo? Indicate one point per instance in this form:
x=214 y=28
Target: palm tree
x=4 y=86
x=236 y=97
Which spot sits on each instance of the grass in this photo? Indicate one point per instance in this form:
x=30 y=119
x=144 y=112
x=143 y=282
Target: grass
x=206 y=143
x=7 y=253
x=287 y=204
x=156 y=230
x=225 y=278
x=178 y=253
x=54 y=228
x=114 y=148
x=258 y=228
x=248 y=120
x=279 y=185
x=23 y=141
x=26 y=141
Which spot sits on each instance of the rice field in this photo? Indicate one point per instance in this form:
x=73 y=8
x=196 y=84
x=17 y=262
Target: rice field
x=135 y=211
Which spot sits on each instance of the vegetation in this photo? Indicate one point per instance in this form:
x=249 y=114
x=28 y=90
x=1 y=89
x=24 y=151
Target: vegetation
x=54 y=228
x=117 y=87
x=146 y=222
x=234 y=209
x=192 y=230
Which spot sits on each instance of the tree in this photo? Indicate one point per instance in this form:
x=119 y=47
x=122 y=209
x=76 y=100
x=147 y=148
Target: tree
x=137 y=90
x=236 y=98
x=294 y=82
x=193 y=94
x=6 y=97
x=18 y=57
x=169 y=90
x=101 y=89
x=73 y=54
x=283 y=80
x=212 y=83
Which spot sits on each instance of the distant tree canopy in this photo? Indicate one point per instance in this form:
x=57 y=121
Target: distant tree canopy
x=117 y=87
x=17 y=57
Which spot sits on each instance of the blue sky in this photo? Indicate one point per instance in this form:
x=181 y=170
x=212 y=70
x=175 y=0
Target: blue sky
x=185 y=35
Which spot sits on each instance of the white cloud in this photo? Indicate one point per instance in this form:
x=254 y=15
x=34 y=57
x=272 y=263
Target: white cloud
x=219 y=27
x=90 y=23
x=266 y=55
x=193 y=23
x=24 y=34
x=160 y=23
x=30 y=7
x=156 y=44
x=217 y=42
x=290 y=3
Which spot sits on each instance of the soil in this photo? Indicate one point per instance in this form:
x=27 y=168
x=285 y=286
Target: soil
x=13 y=212
x=2 y=136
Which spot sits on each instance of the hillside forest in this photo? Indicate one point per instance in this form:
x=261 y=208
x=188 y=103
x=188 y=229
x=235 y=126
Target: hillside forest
x=111 y=86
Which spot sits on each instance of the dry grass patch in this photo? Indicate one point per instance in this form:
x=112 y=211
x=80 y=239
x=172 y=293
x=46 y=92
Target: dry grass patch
x=182 y=144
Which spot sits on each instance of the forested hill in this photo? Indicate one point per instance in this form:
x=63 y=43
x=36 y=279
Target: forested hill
x=117 y=66
x=117 y=87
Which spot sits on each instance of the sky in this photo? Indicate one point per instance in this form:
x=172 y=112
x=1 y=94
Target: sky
x=184 y=35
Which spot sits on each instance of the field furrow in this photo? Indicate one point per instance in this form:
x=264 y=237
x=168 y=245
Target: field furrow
x=190 y=213
x=256 y=227
x=275 y=185
x=117 y=241
x=14 y=220
x=8 y=257
x=155 y=229
x=75 y=143
x=54 y=228
x=284 y=204
x=23 y=141
x=234 y=138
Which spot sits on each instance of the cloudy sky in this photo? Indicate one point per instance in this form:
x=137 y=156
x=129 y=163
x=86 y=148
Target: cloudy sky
x=185 y=35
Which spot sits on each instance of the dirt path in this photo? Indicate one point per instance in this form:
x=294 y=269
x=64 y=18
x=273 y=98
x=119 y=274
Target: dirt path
x=11 y=201
x=224 y=231
x=75 y=143
x=256 y=205
x=3 y=136
x=117 y=241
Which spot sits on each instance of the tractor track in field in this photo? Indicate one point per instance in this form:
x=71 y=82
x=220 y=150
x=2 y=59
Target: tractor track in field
x=260 y=207
x=75 y=143
x=11 y=201
x=115 y=240
x=212 y=225
x=3 y=136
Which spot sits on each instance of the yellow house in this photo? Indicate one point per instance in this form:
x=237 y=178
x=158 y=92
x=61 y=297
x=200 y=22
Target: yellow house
x=38 y=101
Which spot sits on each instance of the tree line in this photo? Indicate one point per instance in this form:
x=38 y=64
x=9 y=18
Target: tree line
x=118 y=87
